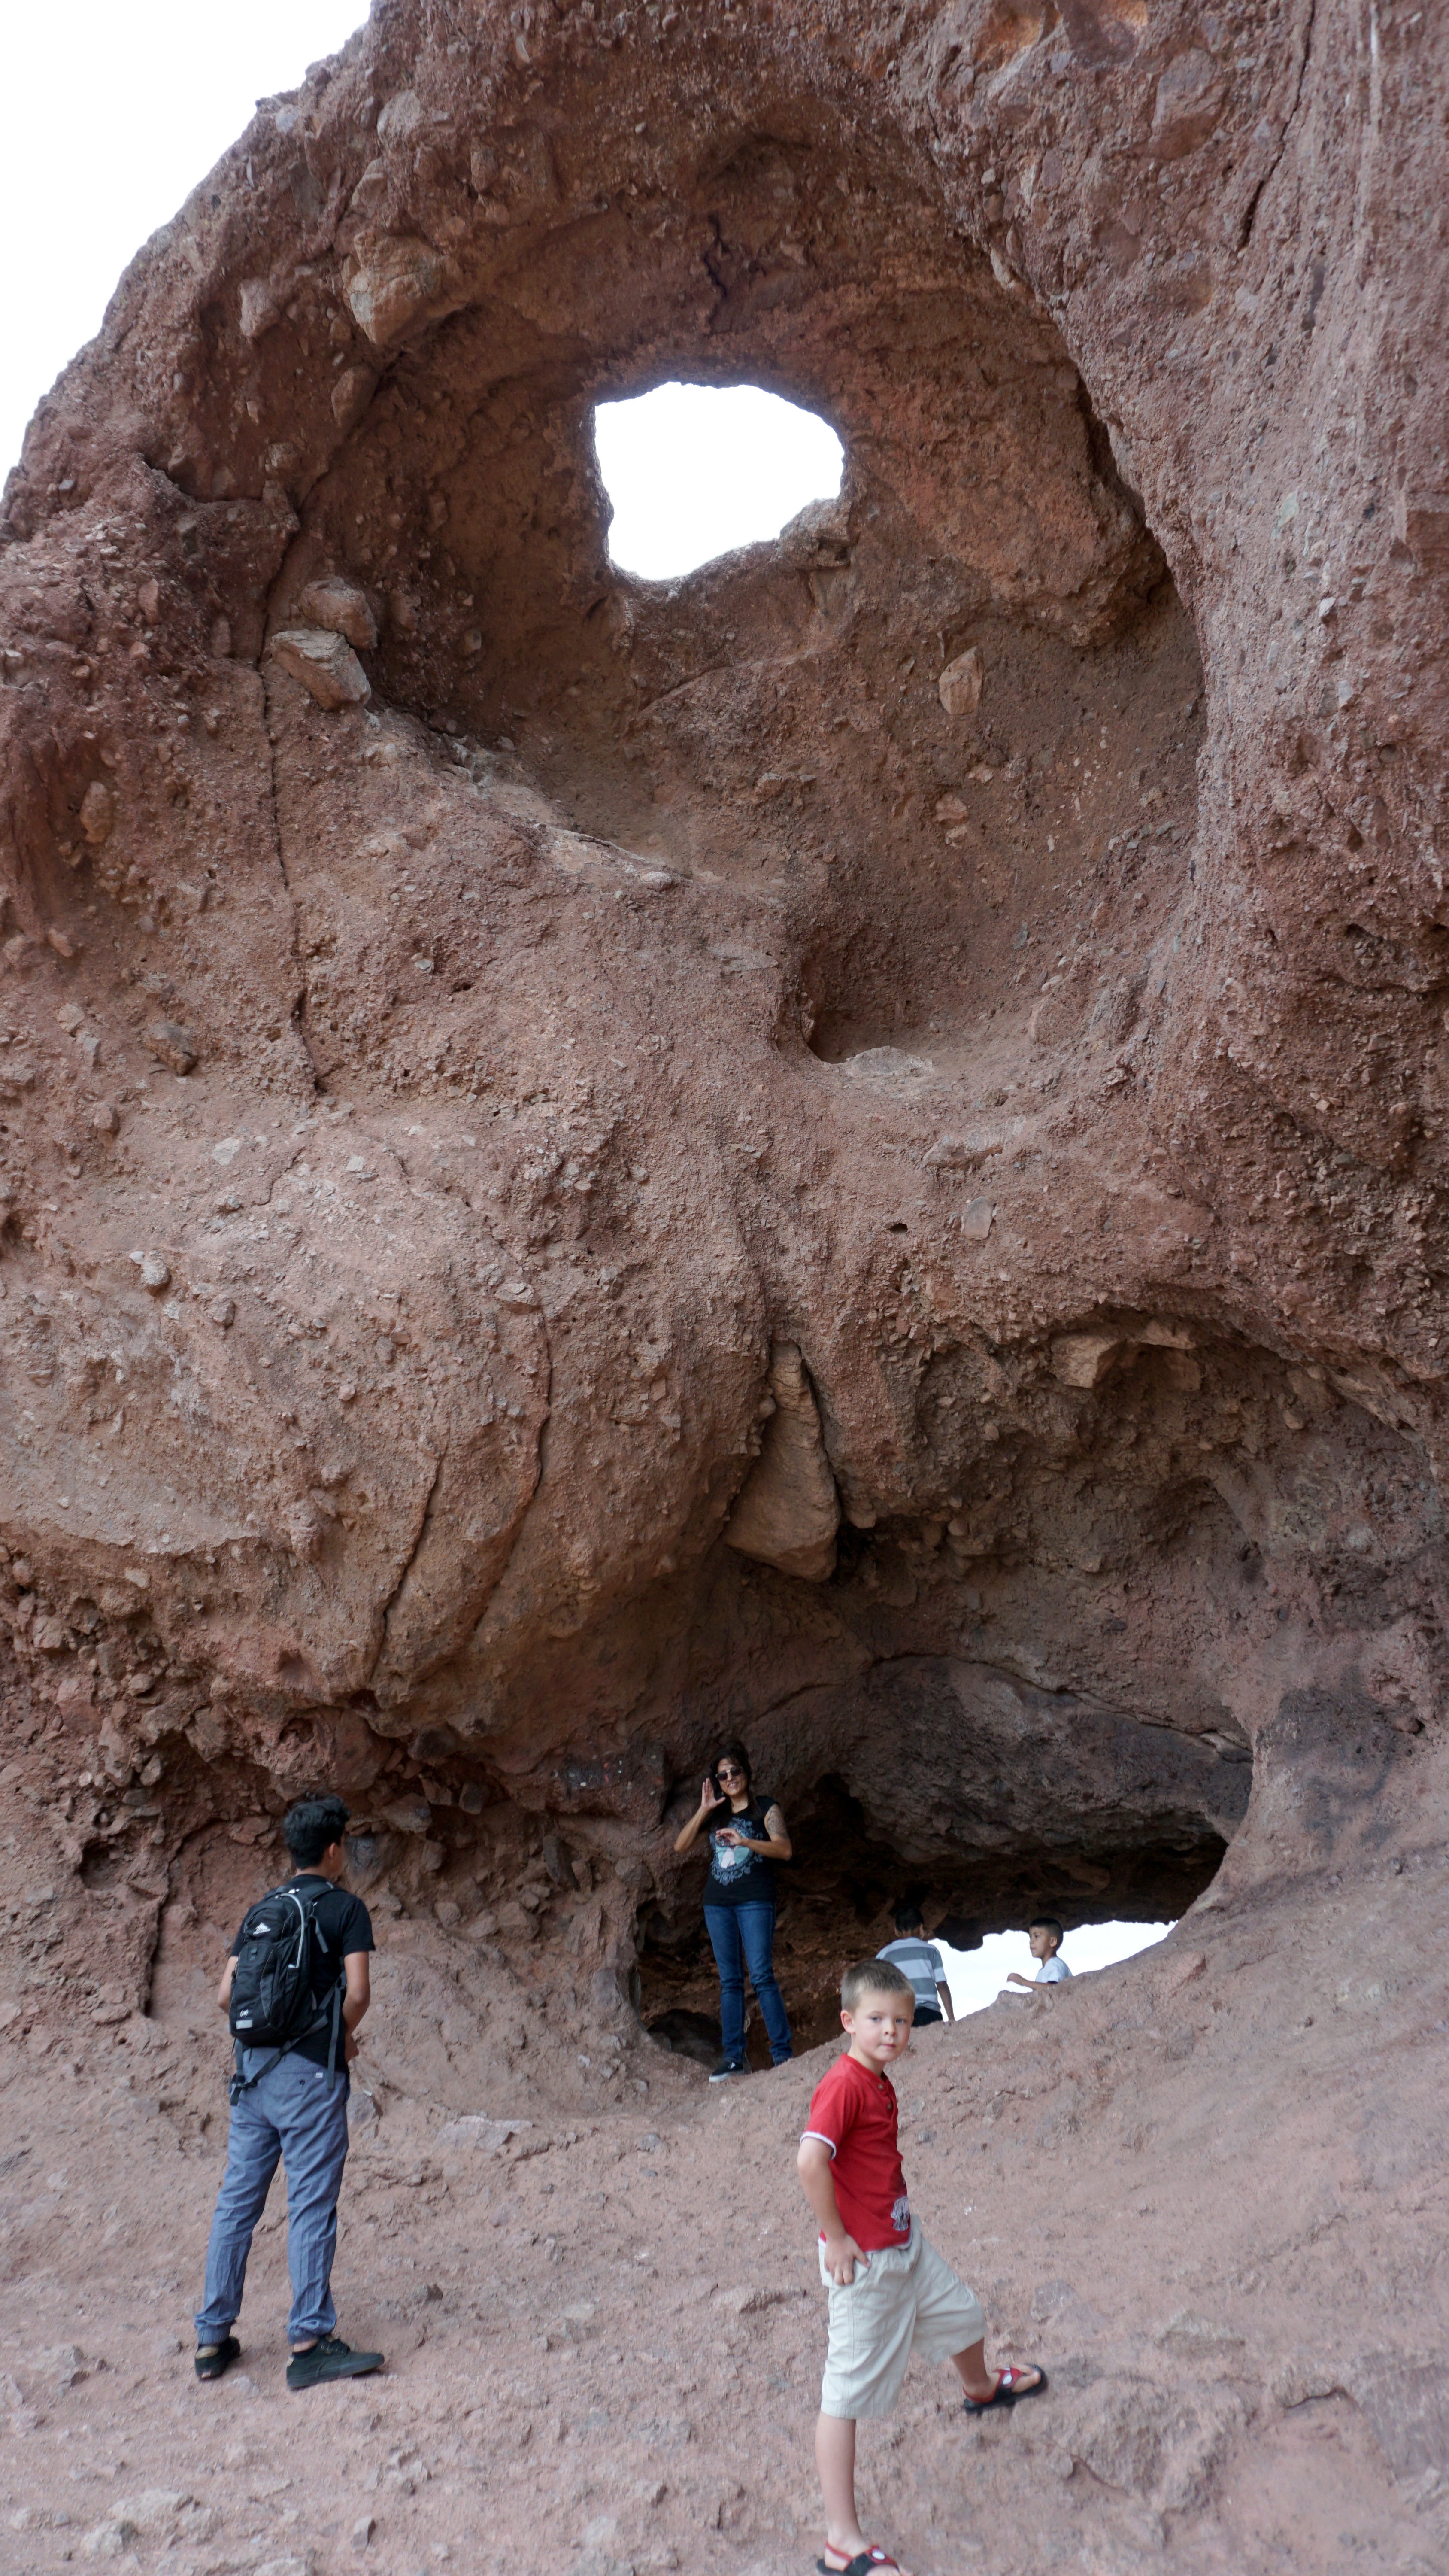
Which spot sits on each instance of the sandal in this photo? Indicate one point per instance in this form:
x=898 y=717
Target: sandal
x=210 y=2365
x=1007 y=2390
x=861 y=2564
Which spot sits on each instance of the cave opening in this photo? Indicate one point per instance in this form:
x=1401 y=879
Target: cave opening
x=694 y=472
x=977 y=1977
x=974 y=1877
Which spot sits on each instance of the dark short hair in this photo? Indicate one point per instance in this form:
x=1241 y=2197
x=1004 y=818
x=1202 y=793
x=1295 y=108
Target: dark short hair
x=1047 y=1923
x=909 y=1918
x=872 y=1977
x=732 y=1753
x=312 y=1827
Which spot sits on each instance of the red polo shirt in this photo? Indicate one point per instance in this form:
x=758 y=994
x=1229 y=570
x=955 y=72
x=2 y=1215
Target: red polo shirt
x=854 y=2112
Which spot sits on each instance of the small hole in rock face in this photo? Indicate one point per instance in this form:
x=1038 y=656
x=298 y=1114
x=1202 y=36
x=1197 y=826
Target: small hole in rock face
x=694 y=471
x=102 y=1868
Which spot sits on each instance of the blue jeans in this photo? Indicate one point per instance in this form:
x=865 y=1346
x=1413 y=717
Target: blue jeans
x=292 y=2114
x=743 y=1936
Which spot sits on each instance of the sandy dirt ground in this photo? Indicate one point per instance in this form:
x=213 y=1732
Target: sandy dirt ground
x=604 y=2333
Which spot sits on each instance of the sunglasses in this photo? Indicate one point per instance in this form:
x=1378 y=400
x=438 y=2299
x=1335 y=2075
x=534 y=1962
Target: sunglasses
x=729 y=1771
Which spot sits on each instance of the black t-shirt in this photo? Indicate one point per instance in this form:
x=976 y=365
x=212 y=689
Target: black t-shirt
x=340 y=1925
x=739 y=1877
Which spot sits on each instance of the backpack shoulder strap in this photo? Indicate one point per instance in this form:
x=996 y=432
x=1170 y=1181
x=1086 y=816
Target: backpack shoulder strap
x=312 y=1904
x=256 y=1909
x=270 y=1898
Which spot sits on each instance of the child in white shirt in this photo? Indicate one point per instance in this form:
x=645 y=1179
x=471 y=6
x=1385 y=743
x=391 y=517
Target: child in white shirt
x=1046 y=1937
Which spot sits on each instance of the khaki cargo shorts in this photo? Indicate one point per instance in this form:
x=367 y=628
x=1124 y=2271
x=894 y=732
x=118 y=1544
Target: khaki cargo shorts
x=906 y=2300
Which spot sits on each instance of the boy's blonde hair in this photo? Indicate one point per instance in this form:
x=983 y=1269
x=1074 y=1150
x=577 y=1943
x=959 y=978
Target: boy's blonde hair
x=872 y=1977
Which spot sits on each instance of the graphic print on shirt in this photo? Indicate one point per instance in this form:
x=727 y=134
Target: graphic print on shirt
x=901 y=2215
x=727 y=1860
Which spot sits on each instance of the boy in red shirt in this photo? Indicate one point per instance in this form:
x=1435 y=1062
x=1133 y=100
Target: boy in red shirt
x=890 y=2291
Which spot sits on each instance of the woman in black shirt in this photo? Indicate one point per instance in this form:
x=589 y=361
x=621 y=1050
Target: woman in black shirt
x=747 y=1835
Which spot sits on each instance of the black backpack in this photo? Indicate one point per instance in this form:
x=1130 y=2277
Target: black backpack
x=274 y=1999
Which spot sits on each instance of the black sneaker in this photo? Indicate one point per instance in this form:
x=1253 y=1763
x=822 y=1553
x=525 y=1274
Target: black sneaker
x=728 y=2066
x=210 y=2365
x=330 y=2359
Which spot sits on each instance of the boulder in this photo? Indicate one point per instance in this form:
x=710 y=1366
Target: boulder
x=325 y=664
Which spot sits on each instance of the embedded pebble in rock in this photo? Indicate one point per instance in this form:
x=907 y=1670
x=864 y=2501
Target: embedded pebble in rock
x=393 y=287
x=97 y=813
x=351 y=395
x=171 y=1045
x=959 y=686
x=343 y=607
x=325 y=664
x=848 y=1150
x=257 y=308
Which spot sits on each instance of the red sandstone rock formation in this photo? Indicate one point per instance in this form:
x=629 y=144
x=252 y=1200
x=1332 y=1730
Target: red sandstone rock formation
x=849 y=1149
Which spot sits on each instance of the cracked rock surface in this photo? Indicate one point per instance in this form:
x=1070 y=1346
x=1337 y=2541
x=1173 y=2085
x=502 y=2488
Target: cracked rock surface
x=848 y=1150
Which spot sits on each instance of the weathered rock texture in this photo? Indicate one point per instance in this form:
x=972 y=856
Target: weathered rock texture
x=850 y=1149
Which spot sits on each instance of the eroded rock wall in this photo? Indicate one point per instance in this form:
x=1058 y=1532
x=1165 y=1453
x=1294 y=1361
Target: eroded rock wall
x=491 y=1045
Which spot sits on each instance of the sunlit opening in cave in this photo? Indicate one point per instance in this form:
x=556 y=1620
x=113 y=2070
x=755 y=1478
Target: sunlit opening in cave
x=977 y=1977
x=694 y=471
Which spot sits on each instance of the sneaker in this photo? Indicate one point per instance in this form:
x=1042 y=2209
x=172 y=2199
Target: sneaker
x=330 y=2359
x=210 y=2365
x=728 y=2066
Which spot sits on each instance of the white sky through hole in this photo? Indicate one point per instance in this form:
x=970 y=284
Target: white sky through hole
x=114 y=114
x=976 y=1977
x=695 y=470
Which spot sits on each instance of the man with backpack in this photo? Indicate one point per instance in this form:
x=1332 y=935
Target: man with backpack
x=294 y=1990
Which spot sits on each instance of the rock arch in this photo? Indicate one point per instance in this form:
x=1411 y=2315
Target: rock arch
x=513 y=1002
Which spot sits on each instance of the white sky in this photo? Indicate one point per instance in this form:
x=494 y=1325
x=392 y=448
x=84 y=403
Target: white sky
x=976 y=1977
x=112 y=114
x=695 y=470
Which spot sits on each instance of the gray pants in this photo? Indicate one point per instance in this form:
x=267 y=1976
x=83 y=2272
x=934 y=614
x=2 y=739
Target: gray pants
x=294 y=2116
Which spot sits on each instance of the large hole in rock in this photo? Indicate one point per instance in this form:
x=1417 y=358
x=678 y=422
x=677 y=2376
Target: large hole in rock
x=976 y=1797
x=694 y=472
x=948 y=718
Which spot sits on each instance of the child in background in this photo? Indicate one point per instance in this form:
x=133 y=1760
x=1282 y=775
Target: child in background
x=920 y=1960
x=1046 y=1937
x=890 y=2291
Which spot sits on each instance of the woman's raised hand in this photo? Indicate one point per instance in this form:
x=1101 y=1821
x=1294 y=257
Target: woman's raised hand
x=710 y=1797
